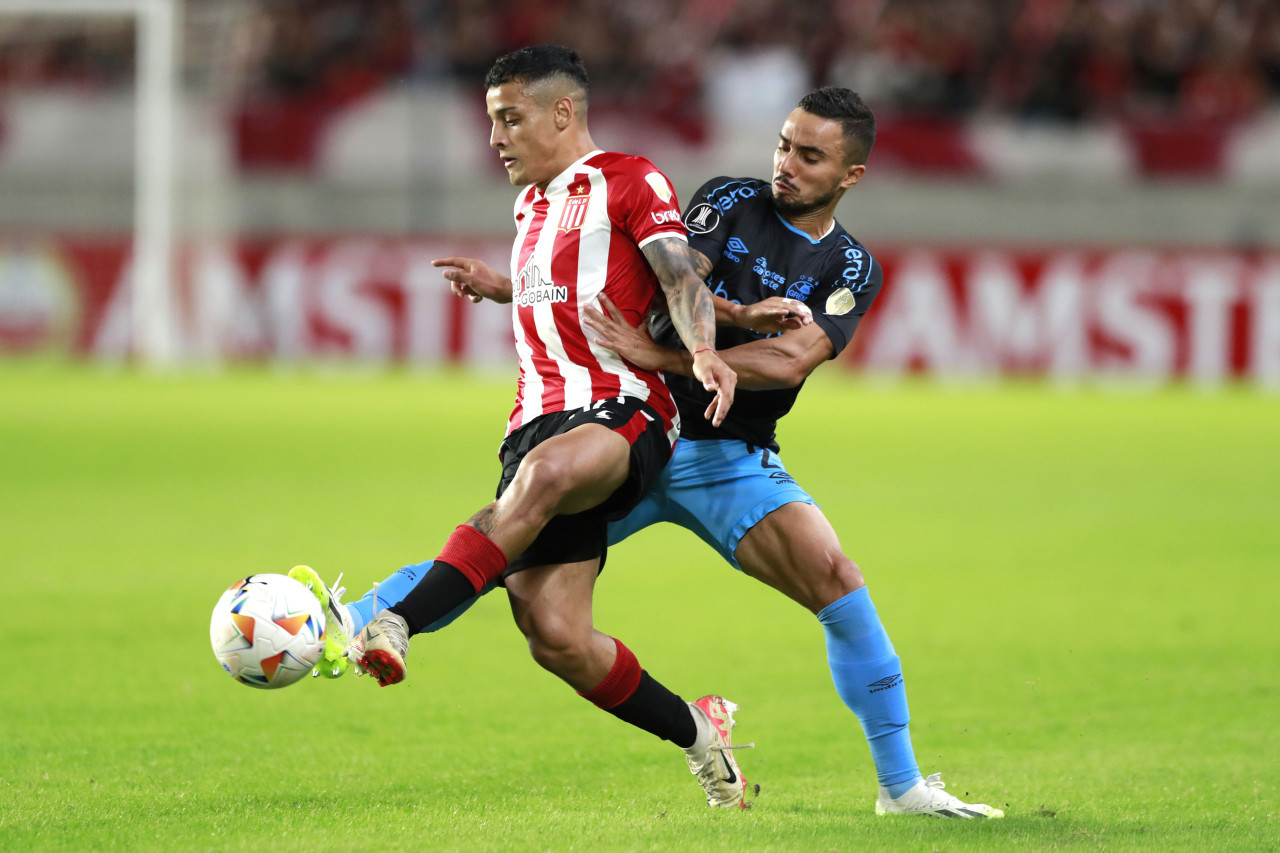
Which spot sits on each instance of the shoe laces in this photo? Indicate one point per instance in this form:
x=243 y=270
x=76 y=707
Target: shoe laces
x=707 y=768
x=337 y=590
x=937 y=796
x=397 y=632
x=392 y=625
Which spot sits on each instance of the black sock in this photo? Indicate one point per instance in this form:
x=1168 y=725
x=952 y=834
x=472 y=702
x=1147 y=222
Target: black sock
x=658 y=711
x=441 y=589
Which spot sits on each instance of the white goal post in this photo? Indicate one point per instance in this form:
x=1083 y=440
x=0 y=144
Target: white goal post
x=151 y=311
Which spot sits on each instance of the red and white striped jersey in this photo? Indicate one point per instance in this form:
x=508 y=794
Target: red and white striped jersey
x=578 y=239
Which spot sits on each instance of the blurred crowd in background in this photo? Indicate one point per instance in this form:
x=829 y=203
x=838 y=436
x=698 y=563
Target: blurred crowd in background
x=1059 y=60
x=1107 y=124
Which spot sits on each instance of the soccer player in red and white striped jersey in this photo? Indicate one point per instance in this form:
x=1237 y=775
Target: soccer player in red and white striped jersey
x=582 y=235
x=590 y=431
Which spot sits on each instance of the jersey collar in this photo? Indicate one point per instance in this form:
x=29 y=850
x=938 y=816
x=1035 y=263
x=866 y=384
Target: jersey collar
x=795 y=230
x=561 y=181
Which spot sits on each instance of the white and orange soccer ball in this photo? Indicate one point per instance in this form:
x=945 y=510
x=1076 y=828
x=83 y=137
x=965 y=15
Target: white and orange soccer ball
x=267 y=631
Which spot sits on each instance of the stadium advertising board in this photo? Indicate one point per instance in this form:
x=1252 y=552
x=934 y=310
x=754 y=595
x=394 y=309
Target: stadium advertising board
x=1068 y=313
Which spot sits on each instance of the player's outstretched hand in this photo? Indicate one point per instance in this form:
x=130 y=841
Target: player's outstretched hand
x=474 y=279
x=715 y=376
x=775 y=314
x=632 y=343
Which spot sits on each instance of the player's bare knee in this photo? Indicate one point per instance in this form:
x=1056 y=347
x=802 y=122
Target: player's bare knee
x=848 y=575
x=560 y=653
x=840 y=577
x=541 y=485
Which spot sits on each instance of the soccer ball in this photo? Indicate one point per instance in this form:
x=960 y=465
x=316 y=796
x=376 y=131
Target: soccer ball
x=267 y=631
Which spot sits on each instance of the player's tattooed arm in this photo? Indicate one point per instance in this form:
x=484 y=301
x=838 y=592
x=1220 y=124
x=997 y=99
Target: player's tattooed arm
x=688 y=300
x=702 y=265
x=769 y=316
x=694 y=316
x=727 y=313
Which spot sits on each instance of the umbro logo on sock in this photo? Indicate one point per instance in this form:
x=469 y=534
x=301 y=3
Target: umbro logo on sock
x=885 y=683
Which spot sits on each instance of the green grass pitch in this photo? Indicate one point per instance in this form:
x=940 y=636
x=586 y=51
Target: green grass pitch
x=1083 y=587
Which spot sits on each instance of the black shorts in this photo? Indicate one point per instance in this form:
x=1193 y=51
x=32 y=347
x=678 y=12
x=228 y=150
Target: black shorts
x=582 y=536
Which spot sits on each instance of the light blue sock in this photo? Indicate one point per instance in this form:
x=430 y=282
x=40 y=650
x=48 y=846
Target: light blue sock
x=868 y=676
x=394 y=589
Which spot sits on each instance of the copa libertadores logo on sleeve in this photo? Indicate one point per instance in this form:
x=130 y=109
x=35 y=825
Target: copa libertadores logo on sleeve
x=703 y=219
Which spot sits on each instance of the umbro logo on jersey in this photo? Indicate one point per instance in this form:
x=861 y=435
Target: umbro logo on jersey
x=702 y=219
x=885 y=683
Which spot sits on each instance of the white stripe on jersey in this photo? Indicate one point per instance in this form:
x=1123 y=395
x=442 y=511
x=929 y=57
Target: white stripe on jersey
x=531 y=389
x=593 y=267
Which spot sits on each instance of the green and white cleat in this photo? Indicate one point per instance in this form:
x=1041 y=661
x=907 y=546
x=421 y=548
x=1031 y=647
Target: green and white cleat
x=338 y=625
x=928 y=798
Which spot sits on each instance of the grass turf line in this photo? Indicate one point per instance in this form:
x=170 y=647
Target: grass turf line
x=1081 y=587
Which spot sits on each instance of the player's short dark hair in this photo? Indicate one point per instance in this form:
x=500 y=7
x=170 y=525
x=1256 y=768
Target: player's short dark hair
x=536 y=63
x=855 y=117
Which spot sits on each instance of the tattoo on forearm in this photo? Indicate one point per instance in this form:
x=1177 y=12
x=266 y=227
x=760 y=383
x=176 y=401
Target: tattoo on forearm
x=688 y=301
x=701 y=264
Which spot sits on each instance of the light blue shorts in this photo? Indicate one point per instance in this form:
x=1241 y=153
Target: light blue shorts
x=717 y=489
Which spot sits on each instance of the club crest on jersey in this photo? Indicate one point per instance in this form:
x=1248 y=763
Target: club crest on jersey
x=801 y=288
x=841 y=301
x=575 y=207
